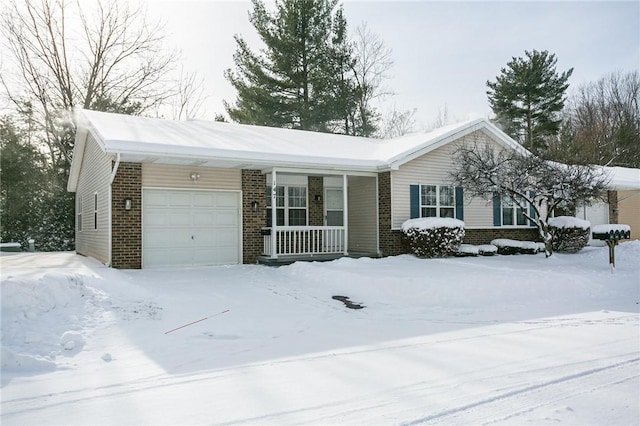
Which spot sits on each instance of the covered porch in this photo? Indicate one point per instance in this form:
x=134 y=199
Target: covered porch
x=319 y=215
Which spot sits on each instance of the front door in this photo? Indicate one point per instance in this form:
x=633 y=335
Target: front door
x=333 y=207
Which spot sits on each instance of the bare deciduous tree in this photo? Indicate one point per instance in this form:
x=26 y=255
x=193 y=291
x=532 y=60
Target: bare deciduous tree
x=398 y=123
x=67 y=55
x=370 y=70
x=602 y=123
x=189 y=99
x=527 y=181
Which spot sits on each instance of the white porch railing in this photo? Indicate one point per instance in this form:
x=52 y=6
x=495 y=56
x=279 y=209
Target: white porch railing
x=307 y=240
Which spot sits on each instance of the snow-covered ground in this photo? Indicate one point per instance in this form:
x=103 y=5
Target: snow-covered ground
x=487 y=340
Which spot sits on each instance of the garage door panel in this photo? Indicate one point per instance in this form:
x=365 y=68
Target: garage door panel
x=203 y=218
x=156 y=199
x=204 y=200
x=169 y=258
x=226 y=218
x=180 y=199
x=226 y=199
x=169 y=238
x=183 y=227
x=164 y=218
x=216 y=238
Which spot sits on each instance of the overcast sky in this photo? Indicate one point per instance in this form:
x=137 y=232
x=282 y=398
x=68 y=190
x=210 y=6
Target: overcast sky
x=443 y=52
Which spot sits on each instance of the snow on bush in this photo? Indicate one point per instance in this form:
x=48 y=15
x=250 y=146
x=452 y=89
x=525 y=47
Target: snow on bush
x=569 y=234
x=473 y=250
x=507 y=246
x=467 y=250
x=569 y=222
x=433 y=236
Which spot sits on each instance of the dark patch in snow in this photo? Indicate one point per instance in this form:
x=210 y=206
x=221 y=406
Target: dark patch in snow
x=348 y=303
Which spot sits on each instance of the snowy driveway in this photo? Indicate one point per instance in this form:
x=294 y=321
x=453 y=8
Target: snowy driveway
x=499 y=340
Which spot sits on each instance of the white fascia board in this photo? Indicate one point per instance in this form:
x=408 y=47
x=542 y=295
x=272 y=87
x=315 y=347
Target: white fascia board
x=76 y=159
x=238 y=157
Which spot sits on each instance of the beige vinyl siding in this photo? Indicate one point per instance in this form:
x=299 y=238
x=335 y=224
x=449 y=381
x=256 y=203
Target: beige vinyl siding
x=435 y=168
x=629 y=211
x=362 y=214
x=95 y=176
x=170 y=176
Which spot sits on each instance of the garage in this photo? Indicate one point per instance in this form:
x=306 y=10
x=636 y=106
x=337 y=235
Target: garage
x=190 y=228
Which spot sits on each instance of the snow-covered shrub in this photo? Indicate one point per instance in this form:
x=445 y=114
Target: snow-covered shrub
x=473 y=250
x=507 y=246
x=433 y=236
x=487 y=249
x=569 y=234
x=467 y=250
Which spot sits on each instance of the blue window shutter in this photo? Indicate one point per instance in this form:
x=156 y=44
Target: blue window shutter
x=532 y=210
x=414 y=200
x=459 y=203
x=497 y=213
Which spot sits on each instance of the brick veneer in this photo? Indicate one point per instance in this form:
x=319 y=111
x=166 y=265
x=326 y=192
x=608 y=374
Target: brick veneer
x=254 y=184
x=316 y=213
x=391 y=242
x=612 y=199
x=126 y=225
x=484 y=236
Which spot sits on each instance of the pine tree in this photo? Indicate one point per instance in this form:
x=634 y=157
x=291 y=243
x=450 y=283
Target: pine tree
x=527 y=98
x=22 y=185
x=297 y=80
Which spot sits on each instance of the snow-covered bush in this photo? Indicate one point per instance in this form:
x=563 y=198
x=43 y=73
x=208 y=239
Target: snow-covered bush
x=569 y=234
x=507 y=246
x=487 y=249
x=433 y=236
x=473 y=250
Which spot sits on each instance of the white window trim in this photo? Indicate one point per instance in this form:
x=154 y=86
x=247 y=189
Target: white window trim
x=514 y=208
x=286 y=206
x=437 y=205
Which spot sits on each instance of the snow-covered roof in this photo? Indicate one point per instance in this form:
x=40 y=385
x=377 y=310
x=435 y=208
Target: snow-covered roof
x=622 y=178
x=216 y=144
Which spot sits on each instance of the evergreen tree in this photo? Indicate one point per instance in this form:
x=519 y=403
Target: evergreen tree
x=299 y=79
x=22 y=185
x=527 y=98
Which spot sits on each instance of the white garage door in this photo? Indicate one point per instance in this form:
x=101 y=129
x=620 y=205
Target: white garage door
x=188 y=228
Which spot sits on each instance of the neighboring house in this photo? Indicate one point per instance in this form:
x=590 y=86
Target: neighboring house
x=623 y=202
x=153 y=192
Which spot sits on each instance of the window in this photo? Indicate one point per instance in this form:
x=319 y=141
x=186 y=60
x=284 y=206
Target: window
x=437 y=201
x=512 y=213
x=95 y=210
x=79 y=213
x=291 y=210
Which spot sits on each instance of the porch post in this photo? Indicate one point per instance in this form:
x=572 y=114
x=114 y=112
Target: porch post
x=345 y=214
x=274 y=234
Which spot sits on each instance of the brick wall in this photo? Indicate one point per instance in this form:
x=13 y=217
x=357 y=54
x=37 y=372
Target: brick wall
x=391 y=243
x=126 y=225
x=316 y=213
x=253 y=189
x=484 y=236
x=612 y=199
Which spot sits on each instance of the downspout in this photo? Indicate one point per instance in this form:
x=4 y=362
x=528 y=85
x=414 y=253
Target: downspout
x=109 y=208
